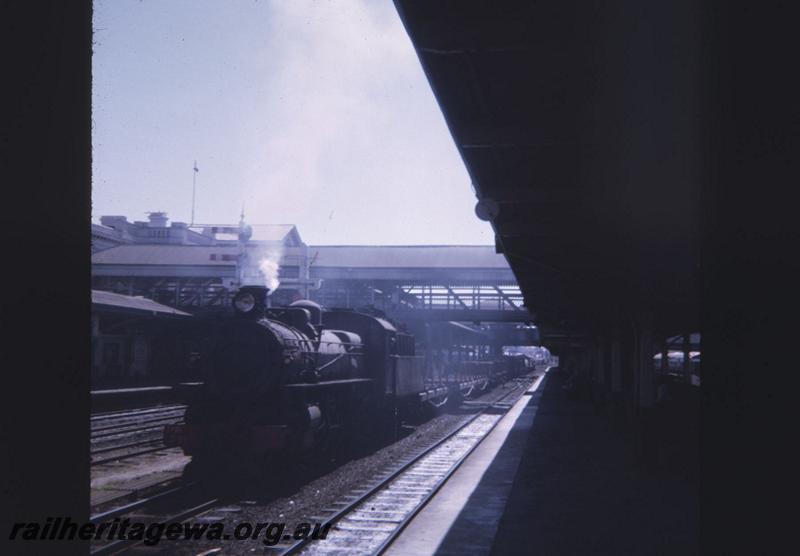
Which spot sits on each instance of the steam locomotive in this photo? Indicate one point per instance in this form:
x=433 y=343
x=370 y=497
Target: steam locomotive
x=282 y=383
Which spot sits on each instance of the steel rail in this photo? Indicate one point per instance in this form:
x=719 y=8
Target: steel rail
x=407 y=520
x=144 y=410
x=383 y=483
x=121 y=510
x=105 y=435
x=123 y=544
x=136 y=423
x=109 y=459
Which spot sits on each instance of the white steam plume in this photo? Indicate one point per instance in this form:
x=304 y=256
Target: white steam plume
x=269 y=264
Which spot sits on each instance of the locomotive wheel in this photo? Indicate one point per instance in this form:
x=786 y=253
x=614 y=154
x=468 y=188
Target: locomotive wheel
x=233 y=473
x=331 y=439
x=255 y=475
x=260 y=474
x=204 y=471
x=195 y=472
x=368 y=427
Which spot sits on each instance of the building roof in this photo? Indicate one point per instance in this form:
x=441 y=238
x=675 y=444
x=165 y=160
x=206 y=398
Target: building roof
x=347 y=256
x=283 y=233
x=168 y=255
x=275 y=232
x=407 y=256
x=125 y=302
x=105 y=231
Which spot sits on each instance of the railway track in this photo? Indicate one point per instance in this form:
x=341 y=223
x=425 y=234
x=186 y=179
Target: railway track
x=126 y=434
x=173 y=505
x=98 y=419
x=370 y=521
x=364 y=522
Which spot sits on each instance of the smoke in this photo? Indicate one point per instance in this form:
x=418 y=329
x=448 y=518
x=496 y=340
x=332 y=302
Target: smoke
x=269 y=264
x=261 y=266
x=338 y=82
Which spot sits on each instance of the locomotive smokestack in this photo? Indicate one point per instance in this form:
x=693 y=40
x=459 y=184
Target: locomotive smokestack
x=251 y=301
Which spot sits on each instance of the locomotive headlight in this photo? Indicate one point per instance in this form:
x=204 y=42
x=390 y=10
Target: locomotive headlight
x=244 y=302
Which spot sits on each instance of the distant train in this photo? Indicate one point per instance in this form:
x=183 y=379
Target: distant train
x=675 y=362
x=282 y=382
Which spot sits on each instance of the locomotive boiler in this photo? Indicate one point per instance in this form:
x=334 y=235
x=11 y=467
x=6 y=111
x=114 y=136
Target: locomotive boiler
x=284 y=382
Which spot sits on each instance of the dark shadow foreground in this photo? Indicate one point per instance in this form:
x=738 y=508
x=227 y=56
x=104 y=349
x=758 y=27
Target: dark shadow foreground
x=579 y=488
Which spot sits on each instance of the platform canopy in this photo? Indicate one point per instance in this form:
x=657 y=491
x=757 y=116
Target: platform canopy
x=577 y=124
x=109 y=302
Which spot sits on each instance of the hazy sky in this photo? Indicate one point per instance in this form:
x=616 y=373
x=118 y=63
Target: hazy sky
x=311 y=113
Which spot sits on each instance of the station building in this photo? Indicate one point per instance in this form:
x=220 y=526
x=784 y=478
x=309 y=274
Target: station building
x=194 y=267
x=151 y=278
x=461 y=302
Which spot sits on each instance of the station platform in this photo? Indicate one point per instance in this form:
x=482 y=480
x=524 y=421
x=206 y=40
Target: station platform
x=554 y=477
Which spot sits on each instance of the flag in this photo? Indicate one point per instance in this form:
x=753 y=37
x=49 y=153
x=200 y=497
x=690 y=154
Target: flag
x=195 y=167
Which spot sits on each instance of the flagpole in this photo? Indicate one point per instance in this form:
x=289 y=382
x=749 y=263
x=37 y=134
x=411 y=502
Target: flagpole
x=194 y=183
